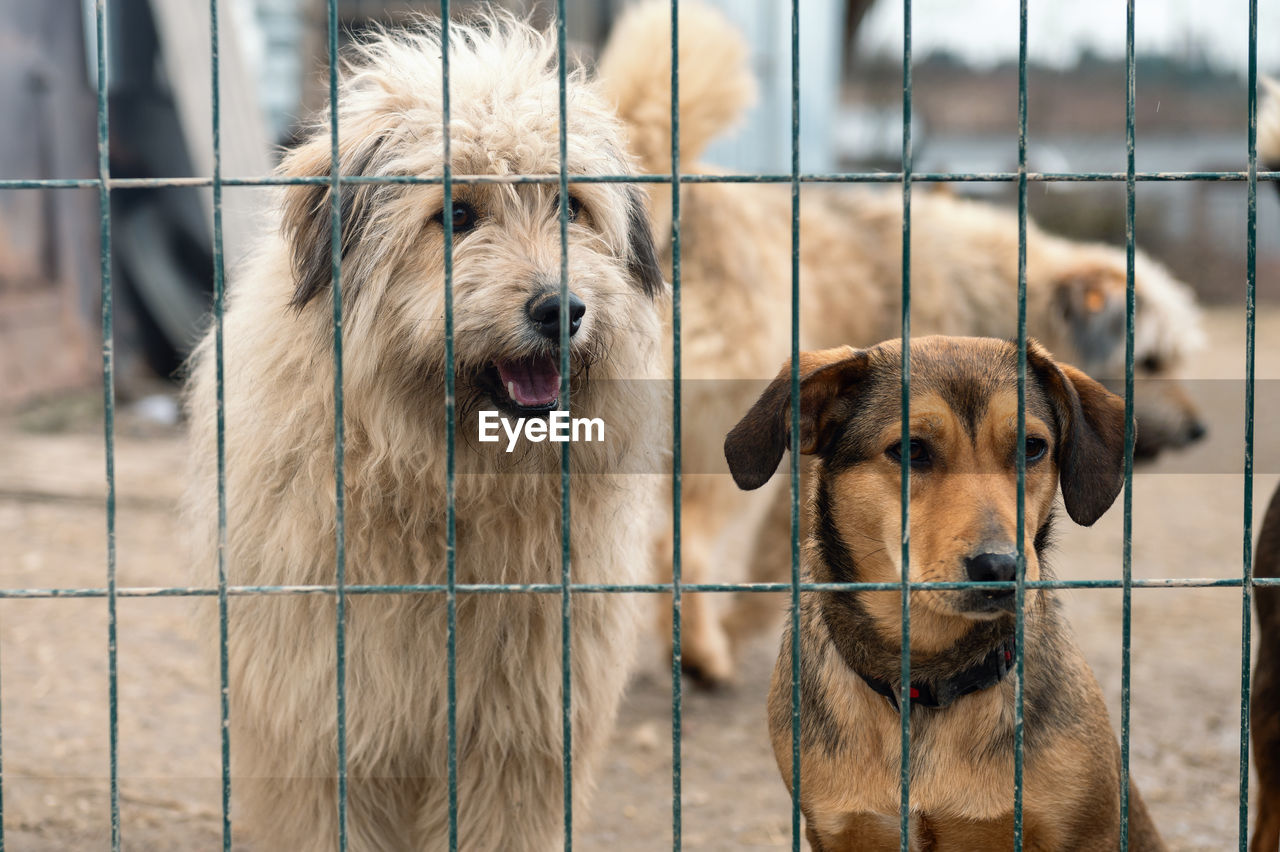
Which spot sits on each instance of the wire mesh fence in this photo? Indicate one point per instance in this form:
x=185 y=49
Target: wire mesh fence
x=340 y=590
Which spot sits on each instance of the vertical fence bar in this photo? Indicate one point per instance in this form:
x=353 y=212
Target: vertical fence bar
x=1250 y=293
x=566 y=610
x=339 y=435
x=450 y=474
x=795 y=426
x=109 y=413
x=1020 y=592
x=219 y=282
x=1130 y=213
x=677 y=454
x=904 y=706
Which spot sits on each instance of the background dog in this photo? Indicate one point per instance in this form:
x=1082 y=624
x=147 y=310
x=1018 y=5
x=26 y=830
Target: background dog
x=736 y=295
x=280 y=454
x=963 y=455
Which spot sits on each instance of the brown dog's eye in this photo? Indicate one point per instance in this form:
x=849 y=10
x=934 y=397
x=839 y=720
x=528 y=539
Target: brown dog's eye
x=1036 y=448
x=464 y=217
x=917 y=452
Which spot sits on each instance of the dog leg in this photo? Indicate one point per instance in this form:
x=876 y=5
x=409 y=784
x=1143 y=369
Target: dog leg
x=1266 y=827
x=302 y=813
x=704 y=645
x=720 y=525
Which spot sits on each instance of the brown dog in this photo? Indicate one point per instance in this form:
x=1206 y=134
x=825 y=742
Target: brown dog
x=1264 y=700
x=963 y=512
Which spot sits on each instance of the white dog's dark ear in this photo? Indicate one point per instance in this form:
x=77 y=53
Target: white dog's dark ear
x=754 y=447
x=1090 y=445
x=642 y=253
x=307 y=220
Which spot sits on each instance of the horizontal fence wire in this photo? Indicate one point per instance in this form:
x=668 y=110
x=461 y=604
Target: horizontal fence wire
x=632 y=588
x=1242 y=176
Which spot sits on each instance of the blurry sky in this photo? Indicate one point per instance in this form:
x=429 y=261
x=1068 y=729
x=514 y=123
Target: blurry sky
x=986 y=31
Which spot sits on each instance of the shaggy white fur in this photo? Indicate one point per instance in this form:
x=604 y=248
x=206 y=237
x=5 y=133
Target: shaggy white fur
x=280 y=484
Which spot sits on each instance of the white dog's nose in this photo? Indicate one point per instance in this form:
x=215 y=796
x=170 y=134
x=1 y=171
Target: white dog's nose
x=544 y=313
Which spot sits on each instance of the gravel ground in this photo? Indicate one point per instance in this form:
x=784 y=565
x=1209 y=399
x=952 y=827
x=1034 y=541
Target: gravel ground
x=53 y=657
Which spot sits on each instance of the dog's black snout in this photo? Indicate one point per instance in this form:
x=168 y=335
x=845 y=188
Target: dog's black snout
x=1196 y=431
x=544 y=313
x=992 y=567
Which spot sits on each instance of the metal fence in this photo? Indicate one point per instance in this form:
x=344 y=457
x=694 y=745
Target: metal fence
x=566 y=588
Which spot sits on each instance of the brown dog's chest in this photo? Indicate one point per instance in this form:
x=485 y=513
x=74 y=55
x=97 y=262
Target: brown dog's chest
x=962 y=762
x=961 y=756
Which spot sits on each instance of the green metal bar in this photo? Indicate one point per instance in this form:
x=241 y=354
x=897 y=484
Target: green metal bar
x=1250 y=322
x=904 y=815
x=806 y=177
x=109 y=413
x=566 y=611
x=450 y=431
x=794 y=456
x=1130 y=213
x=1020 y=592
x=219 y=295
x=629 y=588
x=677 y=453
x=339 y=429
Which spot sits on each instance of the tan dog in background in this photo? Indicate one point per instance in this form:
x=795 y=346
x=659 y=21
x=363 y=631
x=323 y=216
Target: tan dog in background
x=736 y=296
x=280 y=455
x=962 y=452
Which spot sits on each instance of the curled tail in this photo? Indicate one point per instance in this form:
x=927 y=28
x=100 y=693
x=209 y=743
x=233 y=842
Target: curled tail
x=716 y=84
x=1269 y=128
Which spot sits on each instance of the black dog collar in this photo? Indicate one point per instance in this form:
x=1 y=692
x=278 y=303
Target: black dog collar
x=985 y=674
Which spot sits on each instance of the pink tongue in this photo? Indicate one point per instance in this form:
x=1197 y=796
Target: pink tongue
x=531 y=382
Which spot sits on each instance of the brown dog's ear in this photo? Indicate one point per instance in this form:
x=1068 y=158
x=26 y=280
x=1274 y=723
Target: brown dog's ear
x=642 y=253
x=754 y=447
x=1090 y=451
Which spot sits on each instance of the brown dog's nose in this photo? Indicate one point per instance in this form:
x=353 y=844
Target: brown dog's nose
x=991 y=567
x=544 y=313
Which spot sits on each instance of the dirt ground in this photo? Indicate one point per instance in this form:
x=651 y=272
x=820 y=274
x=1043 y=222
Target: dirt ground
x=53 y=653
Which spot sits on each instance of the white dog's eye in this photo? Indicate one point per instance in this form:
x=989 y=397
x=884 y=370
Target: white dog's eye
x=575 y=207
x=464 y=217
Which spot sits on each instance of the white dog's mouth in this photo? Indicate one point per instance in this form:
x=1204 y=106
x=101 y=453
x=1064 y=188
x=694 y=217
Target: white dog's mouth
x=528 y=385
